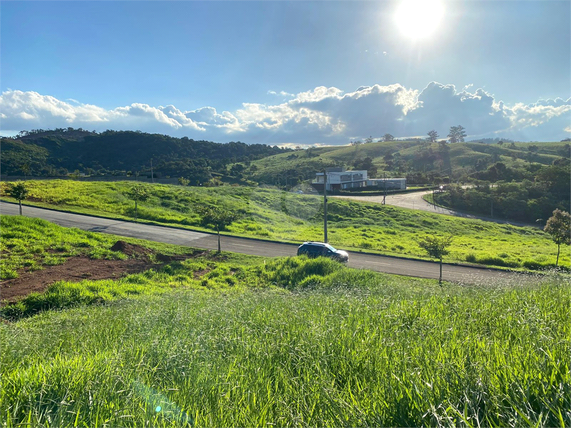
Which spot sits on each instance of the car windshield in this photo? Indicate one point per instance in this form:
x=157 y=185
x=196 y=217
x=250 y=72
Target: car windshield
x=329 y=247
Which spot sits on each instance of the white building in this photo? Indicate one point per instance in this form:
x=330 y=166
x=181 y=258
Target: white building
x=339 y=179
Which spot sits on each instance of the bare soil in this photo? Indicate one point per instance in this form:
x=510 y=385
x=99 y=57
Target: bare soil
x=80 y=268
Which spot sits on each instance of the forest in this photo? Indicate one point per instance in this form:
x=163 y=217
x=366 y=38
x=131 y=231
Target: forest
x=62 y=151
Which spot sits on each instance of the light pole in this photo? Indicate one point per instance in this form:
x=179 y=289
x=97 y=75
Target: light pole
x=325 y=206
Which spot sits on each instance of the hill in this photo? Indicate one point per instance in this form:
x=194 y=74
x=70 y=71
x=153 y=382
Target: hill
x=60 y=151
x=420 y=162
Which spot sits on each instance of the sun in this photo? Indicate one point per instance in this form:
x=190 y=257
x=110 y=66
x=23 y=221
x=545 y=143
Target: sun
x=419 y=19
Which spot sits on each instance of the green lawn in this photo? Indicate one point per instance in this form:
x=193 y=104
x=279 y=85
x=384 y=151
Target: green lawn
x=272 y=214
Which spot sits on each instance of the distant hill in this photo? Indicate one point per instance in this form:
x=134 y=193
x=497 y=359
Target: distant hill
x=61 y=151
x=419 y=161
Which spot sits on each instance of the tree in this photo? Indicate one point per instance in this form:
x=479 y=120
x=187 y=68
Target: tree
x=217 y=217
x=559 y=227
x=368 y=140
x=433 y=136
x=137 y=194
x=436 y=247
x=18 y=191
x=183 y=181
x=388 y=137
x=457 y=134
x=533 y=149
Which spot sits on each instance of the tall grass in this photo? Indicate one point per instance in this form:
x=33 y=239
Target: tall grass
x=271 y=214
x=369 y=350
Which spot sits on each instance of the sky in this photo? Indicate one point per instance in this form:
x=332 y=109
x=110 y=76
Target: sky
x=289 y=72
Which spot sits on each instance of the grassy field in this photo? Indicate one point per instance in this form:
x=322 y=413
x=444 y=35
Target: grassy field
x=272 y=214
x=292 y=342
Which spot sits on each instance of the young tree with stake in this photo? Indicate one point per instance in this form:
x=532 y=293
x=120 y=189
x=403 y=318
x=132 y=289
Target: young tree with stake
x=217 y=217
x=18 y=191
x=137 y=194
x=436 y=247
x=559 y=227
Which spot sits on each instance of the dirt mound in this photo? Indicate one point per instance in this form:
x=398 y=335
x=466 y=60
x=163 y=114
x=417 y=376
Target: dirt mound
x=163 y=258
x=75 y=269
x=130 y=249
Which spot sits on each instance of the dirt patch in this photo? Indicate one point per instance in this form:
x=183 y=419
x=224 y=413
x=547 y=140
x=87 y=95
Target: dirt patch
x=75 y=269
x=132 y=250
x=80 y=268
x=200 y=273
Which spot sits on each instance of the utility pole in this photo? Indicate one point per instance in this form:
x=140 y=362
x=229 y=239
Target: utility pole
x=325 y=206
x=152 y=175
x=385 y=183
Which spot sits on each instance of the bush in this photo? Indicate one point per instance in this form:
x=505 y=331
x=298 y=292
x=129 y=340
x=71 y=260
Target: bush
x=497 y=261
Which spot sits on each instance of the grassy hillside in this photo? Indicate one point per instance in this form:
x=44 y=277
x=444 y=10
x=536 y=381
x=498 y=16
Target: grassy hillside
x=271 y=214
x=402 y=158
x=324 y=346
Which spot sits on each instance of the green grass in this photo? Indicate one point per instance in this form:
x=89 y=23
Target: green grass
x=271 y=214
x=370 y=350
x=31 y=244
x=236 y=340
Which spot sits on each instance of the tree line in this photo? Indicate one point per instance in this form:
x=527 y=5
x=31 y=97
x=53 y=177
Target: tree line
x=63 y=151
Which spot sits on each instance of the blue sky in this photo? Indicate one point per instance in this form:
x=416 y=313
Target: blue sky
x=286 y=72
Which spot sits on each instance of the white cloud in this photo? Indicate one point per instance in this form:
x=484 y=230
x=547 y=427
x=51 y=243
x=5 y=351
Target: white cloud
x=281 y=93
x=323 y=115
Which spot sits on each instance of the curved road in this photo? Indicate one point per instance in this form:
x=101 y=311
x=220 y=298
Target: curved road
x=415 y=201
x=255 y=247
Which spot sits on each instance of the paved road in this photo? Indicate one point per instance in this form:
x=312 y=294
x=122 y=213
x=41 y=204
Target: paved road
x=415 y=201
x=253 y=246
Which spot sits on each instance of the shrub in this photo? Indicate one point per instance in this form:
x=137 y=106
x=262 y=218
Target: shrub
x=497 y=261
x=534 y=265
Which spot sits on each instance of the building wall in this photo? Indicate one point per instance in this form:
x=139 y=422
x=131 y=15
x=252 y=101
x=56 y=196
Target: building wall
x=391 y=183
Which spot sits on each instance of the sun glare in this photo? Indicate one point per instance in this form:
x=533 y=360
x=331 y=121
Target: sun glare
x=418 y=19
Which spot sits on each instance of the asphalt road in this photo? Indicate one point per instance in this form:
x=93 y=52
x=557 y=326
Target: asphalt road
x=255 y=247
x=415 y=201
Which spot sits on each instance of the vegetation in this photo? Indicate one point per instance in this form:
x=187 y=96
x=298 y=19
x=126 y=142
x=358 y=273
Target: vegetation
x=137 y=194
x=531 y=200
x=437 y=247
x=240 y=340
x=61 y=151
x=17 y=191
x=359 y=349
x=421 y=162
x=559 y=227
x=33 y=243
x=286 y=216
x=217 y=217
x=457 y=134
